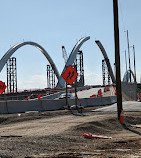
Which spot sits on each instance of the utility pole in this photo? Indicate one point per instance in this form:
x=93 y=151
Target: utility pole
x=117 y=58
x=129 y=54
x=126 y=60
x=126 y=64
x=134 y=63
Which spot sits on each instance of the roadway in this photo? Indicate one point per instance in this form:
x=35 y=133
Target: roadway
x=128 y=106
x=93 y=91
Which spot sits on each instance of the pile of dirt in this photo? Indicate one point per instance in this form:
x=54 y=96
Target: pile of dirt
x=102 y=127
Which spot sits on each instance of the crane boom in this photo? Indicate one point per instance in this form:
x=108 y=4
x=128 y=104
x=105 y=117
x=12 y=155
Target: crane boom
x=64 y=53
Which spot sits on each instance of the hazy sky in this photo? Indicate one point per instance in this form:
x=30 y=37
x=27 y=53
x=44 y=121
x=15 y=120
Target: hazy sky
x=53 y=23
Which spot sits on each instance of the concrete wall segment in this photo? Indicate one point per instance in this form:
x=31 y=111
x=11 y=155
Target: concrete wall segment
x=3 y=107
x=130 y=89
x=48 y=105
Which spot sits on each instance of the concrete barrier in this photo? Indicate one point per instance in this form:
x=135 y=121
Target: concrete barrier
x=113 y=99
x=130 y=90
x=51 y=105
x=23 y=106
x=3 y=107
x=47 y=105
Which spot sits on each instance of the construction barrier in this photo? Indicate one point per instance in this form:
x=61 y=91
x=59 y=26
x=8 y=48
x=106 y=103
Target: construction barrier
x=90 y=135
x=106 y=89
x=121 y=120
x=99 y=94
x=92 y=96
x=39 y=97
x=88 y=87
x=139 y=97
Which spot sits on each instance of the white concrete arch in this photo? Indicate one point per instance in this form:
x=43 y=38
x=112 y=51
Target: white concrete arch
x=126 y=77
x=10 y=52
x=107 y=60
x=72 y=57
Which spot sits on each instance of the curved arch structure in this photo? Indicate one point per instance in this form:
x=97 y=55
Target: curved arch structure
x=127 y=76
x=72 y=57
x=9 y=53
x=107 y=60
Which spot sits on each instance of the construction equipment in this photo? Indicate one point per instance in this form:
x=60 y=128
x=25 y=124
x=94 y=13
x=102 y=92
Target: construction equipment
x=64 y=53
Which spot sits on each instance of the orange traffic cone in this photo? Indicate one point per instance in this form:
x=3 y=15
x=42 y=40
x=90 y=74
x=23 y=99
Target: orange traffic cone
x=121 y=120
x=39 y=96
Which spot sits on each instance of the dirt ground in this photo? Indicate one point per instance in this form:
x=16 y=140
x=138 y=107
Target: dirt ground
x=59 y=134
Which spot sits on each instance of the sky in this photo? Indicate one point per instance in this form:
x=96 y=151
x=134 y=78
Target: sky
x=53 y=23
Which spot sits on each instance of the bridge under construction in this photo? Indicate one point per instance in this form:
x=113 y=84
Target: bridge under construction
x=54 y=79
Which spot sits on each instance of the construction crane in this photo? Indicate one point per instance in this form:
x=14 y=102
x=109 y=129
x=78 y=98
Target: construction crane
x=64 y=53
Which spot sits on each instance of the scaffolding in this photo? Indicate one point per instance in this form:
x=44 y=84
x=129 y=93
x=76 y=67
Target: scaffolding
x=79 y=68
x=105 y=74
x=50 y=77
x=11 y=75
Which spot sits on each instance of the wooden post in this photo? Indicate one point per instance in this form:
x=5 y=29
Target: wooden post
x=67 y=96
x=75 y=67
x=117 y=58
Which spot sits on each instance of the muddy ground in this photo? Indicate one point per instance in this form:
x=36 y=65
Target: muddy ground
x=59 y=134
